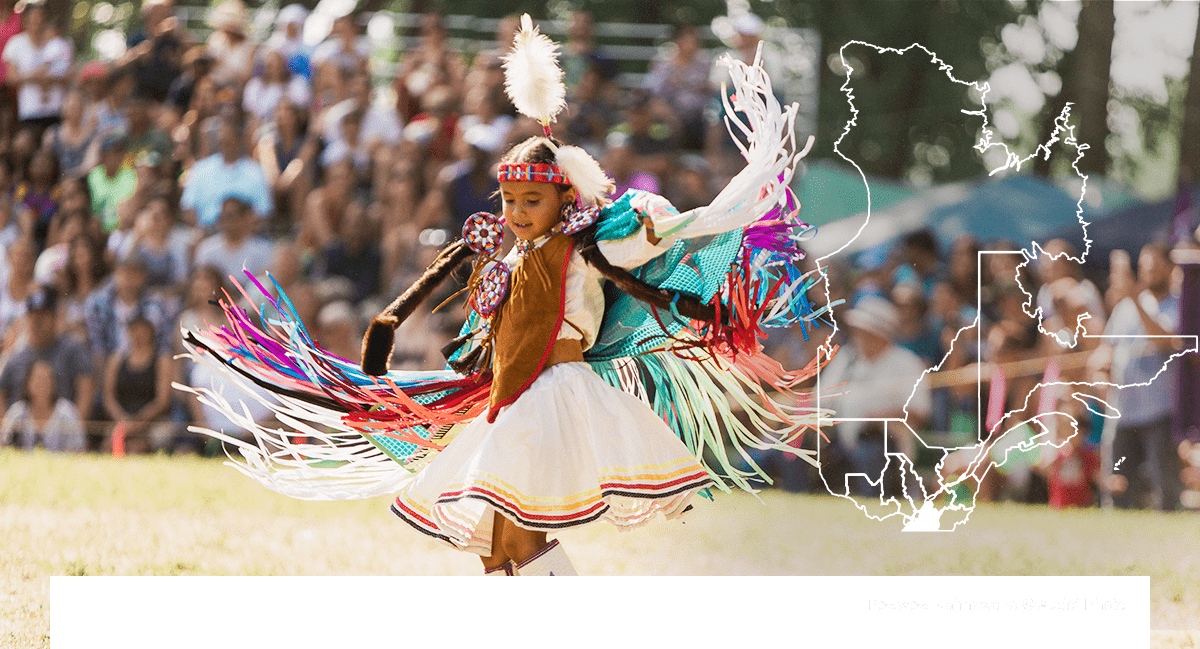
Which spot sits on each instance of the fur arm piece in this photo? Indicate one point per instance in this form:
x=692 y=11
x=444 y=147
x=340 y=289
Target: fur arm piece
x=380 y=336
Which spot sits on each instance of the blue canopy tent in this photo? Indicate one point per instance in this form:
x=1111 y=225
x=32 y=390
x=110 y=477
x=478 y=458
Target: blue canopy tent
x=1020 y=208
x=1131 y=228
x=829 y=192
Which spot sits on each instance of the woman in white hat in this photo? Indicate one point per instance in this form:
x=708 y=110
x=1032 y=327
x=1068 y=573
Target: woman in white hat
x=229 y=46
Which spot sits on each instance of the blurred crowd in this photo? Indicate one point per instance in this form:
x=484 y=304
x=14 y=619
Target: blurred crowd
x=131 y=190
x=913 y=312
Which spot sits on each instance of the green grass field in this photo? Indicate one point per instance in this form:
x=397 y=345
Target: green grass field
x=89 y=515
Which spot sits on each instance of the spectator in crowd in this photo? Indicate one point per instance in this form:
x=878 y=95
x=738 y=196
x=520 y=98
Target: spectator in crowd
x=345 y=50
x=155 y=52
x=10 y=25
x=188 y=137
x=9 y=228
x=921 y=262
x=288 y=40
x=328 y=205
x=67 y=356
x=229 y=46
x=235 y=247
x=962 y=272
x=90 y=80
x=112 y=181
x=82 y=275
x=37 y=63
x=150 y=182
x=349 y=147
x=1055 y=263
x=197 y=64
x=619 y=162
x=1070 y=465
x=748 y=33
x=137 y=390
x=592 y=109
x=16 y=289
x=41 y=418
x=275 y=85
x=485 y=77
x=691 y=185
x=680 y=77
x=1144 y=306
x=651 y=129
x=433 y=129
x=506 y=31
x=109 y=309
x=36 y=198
x=162 y=246
x=580 y=52
x=112 y=104
x=206 y=285
x=1071 y=311
x=431 y=65
x=468 y=186
x=338 y=330
x=1008 y=413
x=65 y=226
x=143 y=135
x=914 y=332
x=355 y=255
x=286 y=155
x=227 y=172
x=72 y=139
x=483 y=107
x=879 y=376
x=395 y=209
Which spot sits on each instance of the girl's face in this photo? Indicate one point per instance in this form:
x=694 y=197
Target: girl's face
x=532 y=209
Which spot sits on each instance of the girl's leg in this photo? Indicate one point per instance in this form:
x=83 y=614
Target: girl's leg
x=494 y=563
x=518 y=543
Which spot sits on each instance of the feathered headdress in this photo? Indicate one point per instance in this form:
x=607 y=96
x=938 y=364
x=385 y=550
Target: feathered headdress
x=532 y=77
x=534 y=83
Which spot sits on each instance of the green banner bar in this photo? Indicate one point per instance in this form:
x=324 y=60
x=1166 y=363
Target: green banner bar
x=887 y=612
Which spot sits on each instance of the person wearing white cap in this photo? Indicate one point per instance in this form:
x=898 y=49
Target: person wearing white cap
x=742 y=33
x=876 y=379
x=288 y=39
x=233 y=51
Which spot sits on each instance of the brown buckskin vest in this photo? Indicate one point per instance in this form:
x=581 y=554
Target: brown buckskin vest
x=526 y=325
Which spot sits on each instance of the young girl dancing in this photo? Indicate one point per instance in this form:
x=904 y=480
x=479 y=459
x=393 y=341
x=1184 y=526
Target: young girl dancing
x=596 y=366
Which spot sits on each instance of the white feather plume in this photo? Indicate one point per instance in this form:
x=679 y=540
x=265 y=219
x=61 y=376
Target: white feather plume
x=532 y=78
x=585 y=175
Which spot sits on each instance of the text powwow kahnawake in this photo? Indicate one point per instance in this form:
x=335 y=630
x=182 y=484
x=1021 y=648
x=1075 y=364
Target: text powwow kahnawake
x=951 y=604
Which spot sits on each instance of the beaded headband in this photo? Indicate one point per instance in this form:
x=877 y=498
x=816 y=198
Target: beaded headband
x=532 y=172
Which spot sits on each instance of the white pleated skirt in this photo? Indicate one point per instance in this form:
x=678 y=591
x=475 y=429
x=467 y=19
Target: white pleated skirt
x=571 y=450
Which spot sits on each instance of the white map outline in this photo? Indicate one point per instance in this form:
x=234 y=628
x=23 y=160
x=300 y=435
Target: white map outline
x=927 y=516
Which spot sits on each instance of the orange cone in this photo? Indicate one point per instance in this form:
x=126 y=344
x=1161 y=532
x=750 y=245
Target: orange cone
x=118 y=441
